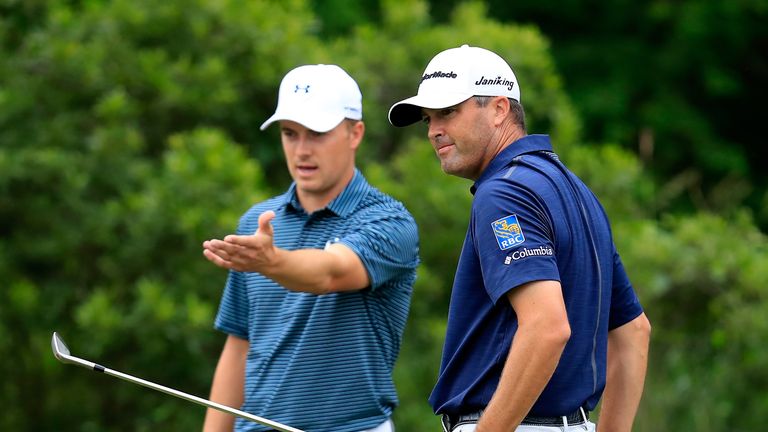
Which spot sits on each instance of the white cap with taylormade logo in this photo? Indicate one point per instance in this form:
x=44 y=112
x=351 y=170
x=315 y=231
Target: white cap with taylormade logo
x=454 y=76
x=317 y=97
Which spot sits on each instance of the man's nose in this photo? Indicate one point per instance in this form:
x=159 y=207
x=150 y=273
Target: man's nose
x=303 y=145
x=435 y=130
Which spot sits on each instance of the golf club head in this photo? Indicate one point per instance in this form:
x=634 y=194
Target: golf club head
x=60 y=350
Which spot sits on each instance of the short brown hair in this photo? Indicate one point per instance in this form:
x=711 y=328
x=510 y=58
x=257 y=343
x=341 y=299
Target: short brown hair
x=514 y=106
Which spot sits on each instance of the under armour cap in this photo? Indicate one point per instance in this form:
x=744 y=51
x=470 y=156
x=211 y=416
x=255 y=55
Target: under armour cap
x=318 y=97
x=452 y=77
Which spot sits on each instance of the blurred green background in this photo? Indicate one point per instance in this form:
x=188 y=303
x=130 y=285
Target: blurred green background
x=129 y=135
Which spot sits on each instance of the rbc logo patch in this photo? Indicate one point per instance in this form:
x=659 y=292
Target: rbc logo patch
x=508 y=232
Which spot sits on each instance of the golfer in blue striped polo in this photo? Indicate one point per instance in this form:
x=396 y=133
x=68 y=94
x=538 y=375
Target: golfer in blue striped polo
x=320 y=277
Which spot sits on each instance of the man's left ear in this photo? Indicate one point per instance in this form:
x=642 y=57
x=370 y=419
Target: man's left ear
x=501 y=109
x=357 y=131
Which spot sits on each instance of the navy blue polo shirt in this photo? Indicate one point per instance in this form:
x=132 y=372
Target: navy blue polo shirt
x=532 y=219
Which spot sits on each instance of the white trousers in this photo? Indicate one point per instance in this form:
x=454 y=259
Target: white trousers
x=387 y=426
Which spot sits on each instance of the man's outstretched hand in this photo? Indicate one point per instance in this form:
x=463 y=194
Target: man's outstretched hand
x=246 y=253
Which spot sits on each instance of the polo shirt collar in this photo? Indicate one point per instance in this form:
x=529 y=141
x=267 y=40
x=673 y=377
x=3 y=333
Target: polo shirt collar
x=343 y=204
x=526 y=144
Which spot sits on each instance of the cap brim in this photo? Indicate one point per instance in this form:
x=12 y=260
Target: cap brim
x=408 y=111
x=316 y=121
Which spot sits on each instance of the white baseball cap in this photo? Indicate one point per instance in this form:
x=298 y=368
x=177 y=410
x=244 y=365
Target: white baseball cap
x=318 y=97
x=453 y=76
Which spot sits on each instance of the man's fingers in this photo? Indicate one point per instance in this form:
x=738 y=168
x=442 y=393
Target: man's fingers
x=224 y=248
x=235 y=243
x=265 y=229
x=243 y=253
x=224 y=260
x=216 y=259
x=265 y=223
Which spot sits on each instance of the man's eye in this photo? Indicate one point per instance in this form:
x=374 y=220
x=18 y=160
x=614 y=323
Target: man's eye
x=425 y=120
x=447 y=111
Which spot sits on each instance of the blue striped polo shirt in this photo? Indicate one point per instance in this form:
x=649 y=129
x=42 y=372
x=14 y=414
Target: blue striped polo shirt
x=324 y=362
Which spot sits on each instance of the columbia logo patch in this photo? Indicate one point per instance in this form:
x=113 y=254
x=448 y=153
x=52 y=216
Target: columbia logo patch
x=508 y=232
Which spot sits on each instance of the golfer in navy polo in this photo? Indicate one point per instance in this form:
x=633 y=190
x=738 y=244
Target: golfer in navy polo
x=543 y=320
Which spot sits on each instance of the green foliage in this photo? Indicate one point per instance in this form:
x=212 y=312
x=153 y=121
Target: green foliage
x=119 y=156
x=702 y=280
x=129 y=134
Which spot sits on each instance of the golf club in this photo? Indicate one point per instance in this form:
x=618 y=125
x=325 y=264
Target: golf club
x=61 y=352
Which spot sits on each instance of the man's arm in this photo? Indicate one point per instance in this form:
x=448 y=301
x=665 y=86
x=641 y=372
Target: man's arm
x=228 y=384
x=542 y=333
x=318 y=271
x=627 y=363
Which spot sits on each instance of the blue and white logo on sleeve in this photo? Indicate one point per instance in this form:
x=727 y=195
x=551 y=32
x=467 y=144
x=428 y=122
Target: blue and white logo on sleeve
x=508 y=232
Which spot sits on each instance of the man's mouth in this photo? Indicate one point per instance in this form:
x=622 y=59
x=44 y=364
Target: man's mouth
x=306 y=170
x=443 y=148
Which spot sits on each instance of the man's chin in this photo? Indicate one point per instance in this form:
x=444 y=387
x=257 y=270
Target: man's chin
x=305 y=185
x=456 y=171
x=448 y=168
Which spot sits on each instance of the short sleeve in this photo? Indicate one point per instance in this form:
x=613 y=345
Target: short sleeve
x=625 y=306
x=232 y=317
x=387 y=243
x=513 y=237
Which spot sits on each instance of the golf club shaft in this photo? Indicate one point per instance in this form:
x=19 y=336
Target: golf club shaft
x=195 y=399
x=61 y=352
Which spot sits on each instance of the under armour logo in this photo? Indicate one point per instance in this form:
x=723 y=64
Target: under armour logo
x=305 y=88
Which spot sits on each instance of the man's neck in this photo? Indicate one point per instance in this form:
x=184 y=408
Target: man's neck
x=314 y=201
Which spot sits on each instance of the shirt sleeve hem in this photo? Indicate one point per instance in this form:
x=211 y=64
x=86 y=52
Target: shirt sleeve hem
x=616 y=324
x=231 y=331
